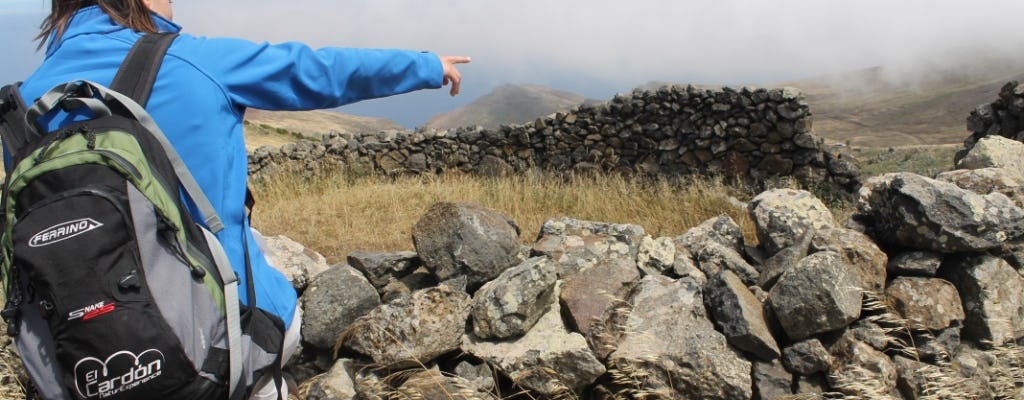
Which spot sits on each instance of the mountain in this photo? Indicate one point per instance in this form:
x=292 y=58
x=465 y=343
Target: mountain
x=881 y=107
x=508 y=104
x=276 y=128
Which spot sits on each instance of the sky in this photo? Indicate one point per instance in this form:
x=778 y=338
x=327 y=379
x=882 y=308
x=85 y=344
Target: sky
x=597 y=48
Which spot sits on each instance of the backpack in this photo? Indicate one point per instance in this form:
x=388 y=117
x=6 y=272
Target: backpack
x=112 y=289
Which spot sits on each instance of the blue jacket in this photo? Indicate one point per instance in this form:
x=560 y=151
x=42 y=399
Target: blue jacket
x=201 y=94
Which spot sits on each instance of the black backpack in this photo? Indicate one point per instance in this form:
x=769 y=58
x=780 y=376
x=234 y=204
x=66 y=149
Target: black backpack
x=112 y=290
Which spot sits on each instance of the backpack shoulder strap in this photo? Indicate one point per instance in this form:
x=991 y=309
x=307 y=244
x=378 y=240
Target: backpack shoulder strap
x=15 y=129
x=135 y=80
x=138 y=71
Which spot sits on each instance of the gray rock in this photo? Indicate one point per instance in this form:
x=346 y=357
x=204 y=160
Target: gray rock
x=548 y=359
x=335 y=299
x=783 y=215
x=413 y=331
x=815 y=385
x=573 y=244
x=915 y=263
x=509 y=305
x=454 y=239
x=926 y=303
x=588 y=294
x=739 y=316
x=685 y=265
x=721 y=230
x=911 y=379
x=655 y=256
x=481 y=374
x=670 y=348
x=988 y=180
x=336 y=384
x=860 y=370
x=714 y=258
x=384 y=268
x=993 y=298
x=870 y=333
x=865 y=259
x=771 y=380
x=806 y=357
x=994 y=151
x=915 y=212
x=935 y=347
x=298 y=263
x=419 y=279
x=782 y=261
x=819 y=295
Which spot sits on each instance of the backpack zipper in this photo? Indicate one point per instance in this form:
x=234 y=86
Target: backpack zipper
x=121 y=162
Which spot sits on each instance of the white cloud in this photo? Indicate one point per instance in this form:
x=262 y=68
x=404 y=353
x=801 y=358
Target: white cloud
x=595 y=46
x=633 y=42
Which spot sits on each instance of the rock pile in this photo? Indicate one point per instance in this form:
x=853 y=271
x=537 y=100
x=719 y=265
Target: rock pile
x=746 y=134
x=920 y=295
x=1003 y=117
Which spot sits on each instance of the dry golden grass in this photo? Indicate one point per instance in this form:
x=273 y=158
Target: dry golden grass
x=336 y=214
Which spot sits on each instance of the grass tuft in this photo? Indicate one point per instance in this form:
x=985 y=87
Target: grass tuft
x=336 y=213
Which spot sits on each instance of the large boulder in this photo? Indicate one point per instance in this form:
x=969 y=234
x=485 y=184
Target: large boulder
x=784 y=215
x=911 y=211
x=820 y=294
x=993 y=151
x=335 y=299
x=413 y=331
x=740 y=316
x=509 y=305
x=454 y=239
x=865 y=259
x=589 y=294
x=670 y=348
x=574 y=244
x=993 y=298
x=548 y=359
x=988 y=180
x=926 y=303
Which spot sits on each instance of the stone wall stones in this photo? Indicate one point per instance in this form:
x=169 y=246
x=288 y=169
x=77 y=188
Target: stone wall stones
x=746 y=134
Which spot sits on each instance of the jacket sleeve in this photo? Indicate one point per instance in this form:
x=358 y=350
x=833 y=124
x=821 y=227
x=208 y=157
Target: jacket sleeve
x=293 y=76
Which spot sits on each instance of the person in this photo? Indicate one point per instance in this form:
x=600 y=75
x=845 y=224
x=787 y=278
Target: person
x=200 y=96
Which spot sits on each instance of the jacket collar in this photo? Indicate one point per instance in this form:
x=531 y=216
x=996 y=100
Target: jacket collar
x=92 y=20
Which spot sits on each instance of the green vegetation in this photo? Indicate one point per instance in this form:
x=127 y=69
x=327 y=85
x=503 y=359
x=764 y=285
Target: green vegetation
x=923 y=160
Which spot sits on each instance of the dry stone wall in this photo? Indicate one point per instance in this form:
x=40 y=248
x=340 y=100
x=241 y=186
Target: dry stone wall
x=748 y=134
x=1003 y=117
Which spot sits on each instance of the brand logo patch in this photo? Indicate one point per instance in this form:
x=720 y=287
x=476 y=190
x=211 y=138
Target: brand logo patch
x=63 y=231
x=90 y=312
x=119 y=373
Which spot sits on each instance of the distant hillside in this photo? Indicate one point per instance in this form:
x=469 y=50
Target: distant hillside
x=508 y=104
x=871 y=108
x=314 y=123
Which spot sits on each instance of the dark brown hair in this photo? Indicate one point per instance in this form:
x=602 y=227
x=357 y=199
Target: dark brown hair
x=131 y=14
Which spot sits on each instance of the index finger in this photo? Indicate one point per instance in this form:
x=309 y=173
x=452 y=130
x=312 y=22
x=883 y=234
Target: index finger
x=458 y=59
